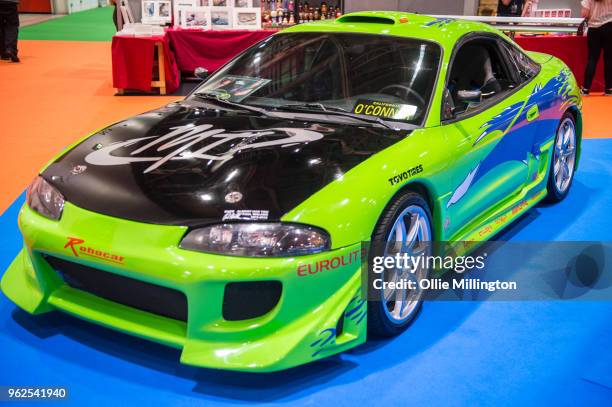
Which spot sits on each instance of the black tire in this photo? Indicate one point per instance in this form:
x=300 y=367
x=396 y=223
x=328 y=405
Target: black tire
x=553 y=193
x=379 y=324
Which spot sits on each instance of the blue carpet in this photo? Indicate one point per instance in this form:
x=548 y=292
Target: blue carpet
x=462 y=354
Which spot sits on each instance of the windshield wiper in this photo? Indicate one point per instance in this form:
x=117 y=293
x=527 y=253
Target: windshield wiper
x=335 y=110
x=216 y=99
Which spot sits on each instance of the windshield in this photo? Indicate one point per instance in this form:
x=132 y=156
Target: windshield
x=390 y=78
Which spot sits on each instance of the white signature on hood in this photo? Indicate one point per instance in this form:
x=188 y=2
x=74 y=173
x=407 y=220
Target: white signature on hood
x=181 y=143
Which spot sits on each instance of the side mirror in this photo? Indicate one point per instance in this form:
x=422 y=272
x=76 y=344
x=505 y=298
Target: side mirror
x=470 y=96
x=201 y=73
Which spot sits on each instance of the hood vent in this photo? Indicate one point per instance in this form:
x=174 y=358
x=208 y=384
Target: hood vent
x=357 y=18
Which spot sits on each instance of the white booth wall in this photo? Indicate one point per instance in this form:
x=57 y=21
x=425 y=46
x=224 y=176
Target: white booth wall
x=72 y=6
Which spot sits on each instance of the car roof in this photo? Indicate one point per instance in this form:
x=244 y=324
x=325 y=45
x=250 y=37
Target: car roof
x=445 y=31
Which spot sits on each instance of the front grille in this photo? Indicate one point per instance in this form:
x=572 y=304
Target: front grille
x=123 y=290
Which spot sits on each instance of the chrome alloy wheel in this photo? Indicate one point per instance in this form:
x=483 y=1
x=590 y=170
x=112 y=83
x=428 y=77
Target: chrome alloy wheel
x=564 y=156
x=410 y=234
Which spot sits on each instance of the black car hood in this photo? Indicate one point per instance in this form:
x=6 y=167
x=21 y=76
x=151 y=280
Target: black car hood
x=188 y=165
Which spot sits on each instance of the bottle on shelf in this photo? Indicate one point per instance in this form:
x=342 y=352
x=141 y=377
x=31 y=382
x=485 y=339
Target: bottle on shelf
x=283 y=13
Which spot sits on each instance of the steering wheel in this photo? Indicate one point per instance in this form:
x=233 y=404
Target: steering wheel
x=405 y=91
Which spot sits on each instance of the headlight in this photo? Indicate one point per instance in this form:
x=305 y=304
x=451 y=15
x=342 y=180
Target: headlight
x=45 y=199
x=257 y=239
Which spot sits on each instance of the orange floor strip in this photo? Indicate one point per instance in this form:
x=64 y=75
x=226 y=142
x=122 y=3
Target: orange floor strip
x=62 y=90
x=596 y=114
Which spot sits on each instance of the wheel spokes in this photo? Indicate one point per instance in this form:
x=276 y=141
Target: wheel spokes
x=413 y=232
x=409 y=231
x=564 y=155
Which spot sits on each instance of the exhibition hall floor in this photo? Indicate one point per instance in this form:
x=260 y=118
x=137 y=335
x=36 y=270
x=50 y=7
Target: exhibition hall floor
x=502 y=353
x=506 y=353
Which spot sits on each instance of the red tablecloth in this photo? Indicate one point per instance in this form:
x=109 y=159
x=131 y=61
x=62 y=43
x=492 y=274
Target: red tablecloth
x=211 y=49
x=186 y=50
x=133 y=59
x=570 y=49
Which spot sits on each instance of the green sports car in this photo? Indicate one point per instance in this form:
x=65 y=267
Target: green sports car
x=230 y=224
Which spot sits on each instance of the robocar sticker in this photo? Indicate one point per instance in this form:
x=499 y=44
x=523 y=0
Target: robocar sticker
x=78 y=248
x=189 y=141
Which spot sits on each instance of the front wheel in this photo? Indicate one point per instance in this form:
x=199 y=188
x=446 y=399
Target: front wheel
x=563 y=162
x=405 y=227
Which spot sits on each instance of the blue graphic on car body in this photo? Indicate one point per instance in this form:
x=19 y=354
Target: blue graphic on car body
x=439 y=22
x=356 y=311
x=516 y=141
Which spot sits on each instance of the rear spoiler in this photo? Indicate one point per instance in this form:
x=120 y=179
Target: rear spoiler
x=527 y=24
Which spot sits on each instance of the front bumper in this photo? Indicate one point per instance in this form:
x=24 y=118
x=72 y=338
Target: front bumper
x=302 y=327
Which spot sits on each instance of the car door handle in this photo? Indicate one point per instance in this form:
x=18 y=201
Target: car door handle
x=533 y=113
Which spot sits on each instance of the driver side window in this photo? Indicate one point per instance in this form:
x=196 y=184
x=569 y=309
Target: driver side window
x=478 y=73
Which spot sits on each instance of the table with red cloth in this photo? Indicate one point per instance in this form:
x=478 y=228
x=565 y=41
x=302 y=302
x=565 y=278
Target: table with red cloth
x=133 y=60
x=184 y=50
x=211 y=49
x=570 y=49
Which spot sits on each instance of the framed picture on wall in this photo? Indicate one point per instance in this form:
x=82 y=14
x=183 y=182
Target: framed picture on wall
x=243 y=3
x=179 y=7
x=156 y=12
x=221 y=18
x=196 y=17
x=247 y=18
x=221 y=3
x=148 y=10
x=165 y=7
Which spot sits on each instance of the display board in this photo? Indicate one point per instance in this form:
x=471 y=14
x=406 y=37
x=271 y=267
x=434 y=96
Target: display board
x=237 y=14
x=203 y=14
x=157 y=12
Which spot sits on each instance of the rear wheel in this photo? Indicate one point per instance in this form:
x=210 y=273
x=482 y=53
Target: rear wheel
x=405 y=227
x=563 y=161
